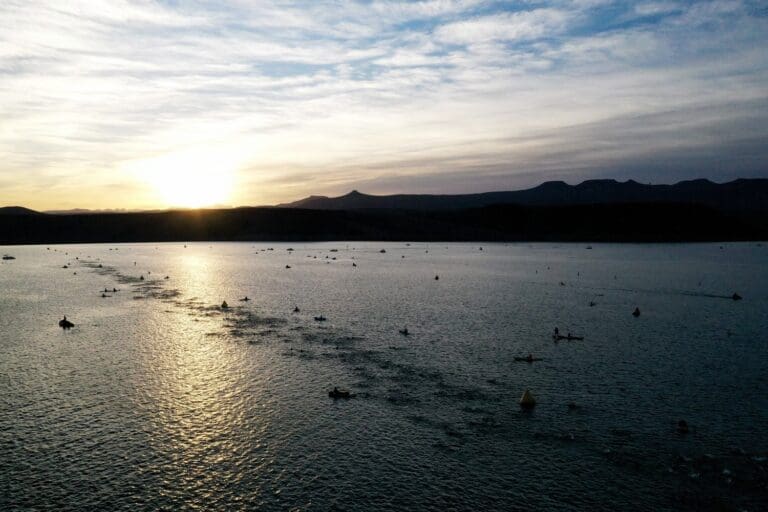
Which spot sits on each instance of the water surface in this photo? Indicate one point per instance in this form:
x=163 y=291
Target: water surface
x=160 y=399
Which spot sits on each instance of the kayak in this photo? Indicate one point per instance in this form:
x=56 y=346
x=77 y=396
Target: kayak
x=558 y=337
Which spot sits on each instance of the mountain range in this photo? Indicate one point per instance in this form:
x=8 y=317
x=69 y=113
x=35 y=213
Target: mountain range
x=595 y=210
x=737 y=195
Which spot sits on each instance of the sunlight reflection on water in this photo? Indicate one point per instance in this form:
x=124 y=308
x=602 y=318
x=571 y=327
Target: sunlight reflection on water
x=158 y=398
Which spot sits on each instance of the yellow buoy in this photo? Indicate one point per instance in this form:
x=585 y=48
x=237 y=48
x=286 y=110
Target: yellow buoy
x=527 y=401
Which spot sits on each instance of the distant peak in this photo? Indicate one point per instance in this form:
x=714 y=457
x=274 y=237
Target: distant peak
x=355 y=193
x=553 y=184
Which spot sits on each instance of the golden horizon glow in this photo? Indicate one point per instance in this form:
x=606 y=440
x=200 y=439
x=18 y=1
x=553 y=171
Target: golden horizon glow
x=189 y=179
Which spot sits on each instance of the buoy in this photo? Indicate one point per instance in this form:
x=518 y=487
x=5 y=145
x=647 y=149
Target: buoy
x=636 y=312
x=527 y=401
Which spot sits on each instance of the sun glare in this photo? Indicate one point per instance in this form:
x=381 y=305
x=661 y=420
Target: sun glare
x=192 y=179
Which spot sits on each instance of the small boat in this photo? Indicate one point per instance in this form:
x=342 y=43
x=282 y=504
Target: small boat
x=437 y=278
x=404 y=331
x=8 y=257
x=65 y=324
x=383 y=251
x=296 y=309
x=287 y=266
x=636 y=312
x=682 y=427
x=245 y=299
x=340 y=393
x=735 y=296
x=354 y=264
x=527 y=401
x=527 y=359
x=224 y=305
x=320 y=318
x=568 y=337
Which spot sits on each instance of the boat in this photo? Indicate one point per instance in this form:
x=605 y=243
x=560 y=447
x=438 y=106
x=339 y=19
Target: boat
x=224 y=305
x=404 y=331
x=245 y=299
x=527 y=359
x=735 y=296
x=320 y=318
x=569 y=337
x=296 y=309
x=340 y=393
x=8 y=257
x=65 y=324
x=636 y=312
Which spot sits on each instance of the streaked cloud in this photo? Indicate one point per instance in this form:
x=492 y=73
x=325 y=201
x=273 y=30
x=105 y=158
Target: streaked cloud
x=324 y=96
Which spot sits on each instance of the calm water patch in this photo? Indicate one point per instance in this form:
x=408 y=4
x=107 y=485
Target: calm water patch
x=159 y=398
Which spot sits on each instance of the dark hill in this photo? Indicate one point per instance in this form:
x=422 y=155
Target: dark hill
x=740 y=195
x=627 y=222
x=17 y=210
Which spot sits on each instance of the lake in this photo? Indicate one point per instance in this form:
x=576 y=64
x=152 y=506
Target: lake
x=159 y=399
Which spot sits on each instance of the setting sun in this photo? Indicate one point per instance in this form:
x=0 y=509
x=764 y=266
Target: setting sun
x=191 y=179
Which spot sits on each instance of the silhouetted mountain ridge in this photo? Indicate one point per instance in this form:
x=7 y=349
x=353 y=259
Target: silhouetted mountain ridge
x=17 y=210
x=737 y=195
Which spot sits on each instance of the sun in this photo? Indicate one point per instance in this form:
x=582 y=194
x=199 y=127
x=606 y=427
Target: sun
x=189 y=179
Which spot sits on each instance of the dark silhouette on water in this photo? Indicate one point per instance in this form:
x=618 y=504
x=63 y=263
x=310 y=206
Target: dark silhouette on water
x=527 y=401
x=636 y=312
x=736 y=296
x=527 y=359
x=65 y=324
x=404 y=331
x=224 y=305
x=340 y=393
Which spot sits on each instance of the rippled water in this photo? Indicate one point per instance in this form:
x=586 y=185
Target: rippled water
x=159 y=399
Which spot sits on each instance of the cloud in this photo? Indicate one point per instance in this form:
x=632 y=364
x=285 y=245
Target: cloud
x=323 y=96
x=517 y=26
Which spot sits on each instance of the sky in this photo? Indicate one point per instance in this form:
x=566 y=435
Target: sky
x=153 y=104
